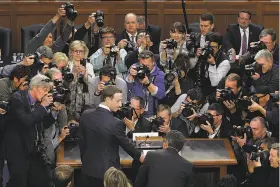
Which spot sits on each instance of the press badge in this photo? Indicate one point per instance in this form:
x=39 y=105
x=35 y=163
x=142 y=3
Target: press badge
x=147 y=107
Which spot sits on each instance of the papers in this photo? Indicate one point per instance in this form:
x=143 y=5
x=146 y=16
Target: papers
x=144 y=134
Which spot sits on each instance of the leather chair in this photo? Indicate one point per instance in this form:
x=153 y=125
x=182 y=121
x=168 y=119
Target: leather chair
x=27 y=33
x=5 y=41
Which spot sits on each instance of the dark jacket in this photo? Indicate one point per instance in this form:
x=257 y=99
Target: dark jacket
x=142 y=125
x=179 y=125
x=100 y=135
x=233 y=36
x=264 y=177
x=165 y=168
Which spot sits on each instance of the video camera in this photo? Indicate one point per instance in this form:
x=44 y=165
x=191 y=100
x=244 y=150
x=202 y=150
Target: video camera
x=206 y=51
x=192 y=44
x=226 y=94
x=170 y=77
x=171 y=43
x=71 y=13
x=125 y=112
x=142 y=71
x=67 y=75
x=99 y=18
x=73 y=132
x=203 y=118
x=256 y=47
x=156 y=123
x=239 y=131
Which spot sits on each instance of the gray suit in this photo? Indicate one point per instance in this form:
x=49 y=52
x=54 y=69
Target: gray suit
x=38 y=40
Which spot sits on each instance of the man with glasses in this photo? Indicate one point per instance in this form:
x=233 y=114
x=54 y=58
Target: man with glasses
x=138 y=123
x=240 y=35
x=221 y=127
x=151 y=87
x=24 y=145
x=109 y=53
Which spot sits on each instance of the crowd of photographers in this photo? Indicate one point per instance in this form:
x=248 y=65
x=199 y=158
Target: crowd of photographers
x=201 y=84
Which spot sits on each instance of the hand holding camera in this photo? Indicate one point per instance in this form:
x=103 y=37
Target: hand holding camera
x=129 y=123
x=57 y=106
x=61 y=12
x=100 y=86
x=28 y=60
x=239 y=140
x=230 y=106
x=122 y=44
x=207 y=127
x=255 y=76
x=65 y=131
x=144 y=81
x=254 y=107
x=211 y=59
x=193 y=116
x=198 y=52
x=2 y=111
x=106 y=50
x=163 y=45
x=164 y=128
x=47 y=100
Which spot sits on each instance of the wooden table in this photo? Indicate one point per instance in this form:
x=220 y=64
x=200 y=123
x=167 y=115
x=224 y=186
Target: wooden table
x=203 y=153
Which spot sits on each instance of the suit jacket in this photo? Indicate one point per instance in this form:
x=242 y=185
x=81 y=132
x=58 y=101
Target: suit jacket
x=23 y=120
x=100 y=135
x=165 y=168
x=232 y=37
x=179 y=125
x=154 y=31
x=142 y=125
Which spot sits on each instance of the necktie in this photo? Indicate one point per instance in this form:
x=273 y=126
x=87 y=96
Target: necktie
x=132 y=38
x=244 y=42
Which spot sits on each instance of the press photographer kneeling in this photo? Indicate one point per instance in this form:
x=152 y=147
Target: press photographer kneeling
x=24 y=144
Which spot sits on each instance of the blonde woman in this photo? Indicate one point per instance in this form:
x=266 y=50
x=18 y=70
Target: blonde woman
x=60 y=59
x=115 y=178
x=83 y=74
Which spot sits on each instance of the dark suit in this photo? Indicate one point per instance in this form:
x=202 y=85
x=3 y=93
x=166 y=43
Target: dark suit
x=233 y=38
x=154 y=31
x=179 y=125
x=142 y=125
x=101 y=134
x=165 y=168
x=26 y=168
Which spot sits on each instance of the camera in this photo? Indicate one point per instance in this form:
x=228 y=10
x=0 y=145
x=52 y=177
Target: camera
x=60 y=88
x=37 y=63
x=256 y=152
x=73 y=132
x=142 y=71
x=4 y=105
x=130 y=46
x=71 y=13
x=125 y=112
x=250 y=69
x=156 y=123
x=274 y=97
x=170 y=77
x=60 y=93
x=226 y=94
x=171 y=43
x=245 y=101
x=113 y=50
x=67 y=75
x=83 y=62
x=187 y=111
x=256 y=47
x=99 y=18
x=203 y=118
x=192 y=44
x=240 y=131
x=206 y=51
x=110 y=82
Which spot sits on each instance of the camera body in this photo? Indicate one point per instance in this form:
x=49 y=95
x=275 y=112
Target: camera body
x=142 y=71
x=130 y=46
x=274 y=97
x=203 y=118
x=206 y=51
x=250 y=69
x=125 y=112
x=83 y=62
x=71 y=13
x=114 y=50
x=5 y=105
x=156 y=123
x=240 y=131
x=192 y=44
x=187 y=111
x=171 y=43
x=226 y=94
x=256 y=47
x=170 y=77
x=60 y=93
x=67 y=75
x=99 y=18
x=73 y=132
x=256 y=152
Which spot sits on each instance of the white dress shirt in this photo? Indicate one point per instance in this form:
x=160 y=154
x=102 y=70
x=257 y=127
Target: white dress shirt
x=211 y=136
x=104 y=106
x=247 y=35
x=131 y=35
x=202 y=41
x=134 y=124
x=217 y=73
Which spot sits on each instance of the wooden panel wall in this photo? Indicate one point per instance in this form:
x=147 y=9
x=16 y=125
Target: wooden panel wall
x=15 y=14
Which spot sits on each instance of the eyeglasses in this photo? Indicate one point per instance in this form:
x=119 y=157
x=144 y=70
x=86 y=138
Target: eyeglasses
x=79 y=51
x=244 y=19
x=107 y=37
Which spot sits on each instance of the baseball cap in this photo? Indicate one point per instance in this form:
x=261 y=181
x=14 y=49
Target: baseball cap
x=45 y=51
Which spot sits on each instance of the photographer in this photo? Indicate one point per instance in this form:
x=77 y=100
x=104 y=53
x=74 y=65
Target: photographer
x=45 y=37
x=60 y=60
x=24 y=145
x=171 y=48
x=107 y=76
x=83 y=75
x=266 y=73
x=214 y=63
x=57 y=132
x=218 y=127
x=178 y=80
x=63 y=176
x=261 y=176
x=138 y=123
x=262 y=105
x=150 y=84
x=188 y=106
x=109 y=53
x=167 y=122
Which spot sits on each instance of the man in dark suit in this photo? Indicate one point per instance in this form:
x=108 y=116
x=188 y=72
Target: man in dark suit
x=166 y=167
x=24 y=147
x=101 y=134
x=235 y=38
x=138 y=123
